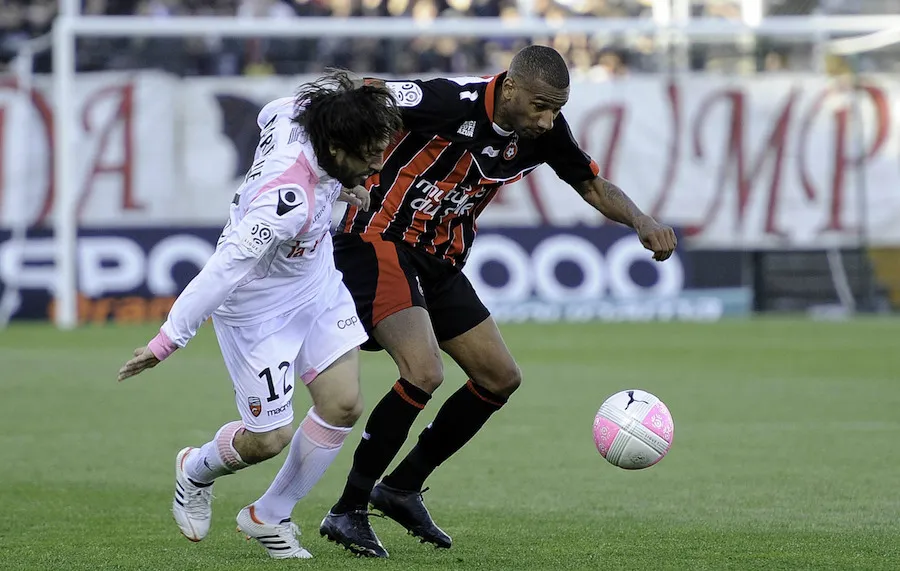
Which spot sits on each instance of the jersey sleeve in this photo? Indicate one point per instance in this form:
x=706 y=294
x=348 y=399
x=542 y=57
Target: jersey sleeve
x=565 y=157
x=275 y=217
x=428 y=105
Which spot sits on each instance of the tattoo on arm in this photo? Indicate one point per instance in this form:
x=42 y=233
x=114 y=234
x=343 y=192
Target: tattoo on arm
x=609 y=200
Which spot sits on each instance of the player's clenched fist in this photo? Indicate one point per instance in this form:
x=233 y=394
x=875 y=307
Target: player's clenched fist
x=656 y=237
x=143 y=359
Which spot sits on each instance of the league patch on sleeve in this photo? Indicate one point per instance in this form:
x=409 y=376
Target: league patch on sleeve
x=288 y=199
x=255 y=240
x=407 y=93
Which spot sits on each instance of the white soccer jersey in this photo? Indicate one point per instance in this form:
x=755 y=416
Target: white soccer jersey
x=275 y=252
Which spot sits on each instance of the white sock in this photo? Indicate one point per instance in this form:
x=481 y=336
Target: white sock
x=215 y=458
x=314 y=447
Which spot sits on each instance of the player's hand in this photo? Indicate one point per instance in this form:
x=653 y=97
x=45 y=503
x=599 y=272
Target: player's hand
x=656 y=237
x=357 y=196
x=143 y=359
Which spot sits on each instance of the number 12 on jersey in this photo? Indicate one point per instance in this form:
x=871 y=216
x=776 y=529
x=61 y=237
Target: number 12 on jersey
x=267 y=375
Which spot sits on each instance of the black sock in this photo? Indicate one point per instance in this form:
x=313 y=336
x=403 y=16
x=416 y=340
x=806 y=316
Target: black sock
x=464 y=413
x=386 y=431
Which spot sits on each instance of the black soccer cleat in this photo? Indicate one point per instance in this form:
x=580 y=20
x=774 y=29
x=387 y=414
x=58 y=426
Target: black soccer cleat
x=354 y=532
x=408 y=509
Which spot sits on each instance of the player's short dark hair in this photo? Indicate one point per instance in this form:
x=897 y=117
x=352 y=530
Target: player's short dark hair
x=333 y=110
x=540 y=62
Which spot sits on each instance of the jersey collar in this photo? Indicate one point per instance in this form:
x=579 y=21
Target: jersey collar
x=489 y=101
x=489 y=94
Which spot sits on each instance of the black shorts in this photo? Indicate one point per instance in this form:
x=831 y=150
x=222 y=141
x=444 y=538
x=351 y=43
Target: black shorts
x=385 y=277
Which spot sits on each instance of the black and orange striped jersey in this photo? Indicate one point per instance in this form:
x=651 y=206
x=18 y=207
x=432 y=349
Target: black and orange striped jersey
x=450 y=160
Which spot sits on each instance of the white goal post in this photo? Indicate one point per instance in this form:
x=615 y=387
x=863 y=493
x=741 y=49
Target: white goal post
x=671 y=22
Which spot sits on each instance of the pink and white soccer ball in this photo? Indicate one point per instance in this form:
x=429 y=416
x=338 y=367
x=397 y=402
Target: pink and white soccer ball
x=633 y=430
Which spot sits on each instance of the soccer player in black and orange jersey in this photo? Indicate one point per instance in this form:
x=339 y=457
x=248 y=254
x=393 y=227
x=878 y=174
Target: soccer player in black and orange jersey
x=402 y=259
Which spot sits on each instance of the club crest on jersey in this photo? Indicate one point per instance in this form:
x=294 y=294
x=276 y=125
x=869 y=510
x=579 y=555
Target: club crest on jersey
x=255 y=405
x=510 y=151
x=288 y=199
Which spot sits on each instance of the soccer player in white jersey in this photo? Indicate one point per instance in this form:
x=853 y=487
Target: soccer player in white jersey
x=280 y=310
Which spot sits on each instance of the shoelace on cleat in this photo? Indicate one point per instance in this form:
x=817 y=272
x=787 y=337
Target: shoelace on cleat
x=290 y=528
x=197 y=503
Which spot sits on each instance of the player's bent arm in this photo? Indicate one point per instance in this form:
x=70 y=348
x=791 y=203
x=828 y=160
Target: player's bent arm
x=611 y=201
x=261 y=230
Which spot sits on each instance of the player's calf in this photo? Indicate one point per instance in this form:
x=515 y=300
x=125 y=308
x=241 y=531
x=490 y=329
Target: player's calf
x=255 y=447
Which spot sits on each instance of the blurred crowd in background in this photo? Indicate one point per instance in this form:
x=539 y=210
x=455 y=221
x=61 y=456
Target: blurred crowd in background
x=594 y=57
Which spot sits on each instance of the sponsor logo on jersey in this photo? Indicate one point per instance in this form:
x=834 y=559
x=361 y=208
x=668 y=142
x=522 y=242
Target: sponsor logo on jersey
x=491 y=152
x=255 y=405
x=467 y=129
x=300 y=248
x=297 y=250
x=470 y=95
x=288 y=199
x=406 y=93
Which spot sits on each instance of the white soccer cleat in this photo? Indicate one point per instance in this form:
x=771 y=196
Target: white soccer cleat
x=192 y=506
x=280 y=540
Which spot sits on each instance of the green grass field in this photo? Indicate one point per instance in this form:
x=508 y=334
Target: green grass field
x=786 y=455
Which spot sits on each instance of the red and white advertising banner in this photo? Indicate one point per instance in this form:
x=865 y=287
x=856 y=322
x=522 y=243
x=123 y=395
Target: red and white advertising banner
x=771 y=161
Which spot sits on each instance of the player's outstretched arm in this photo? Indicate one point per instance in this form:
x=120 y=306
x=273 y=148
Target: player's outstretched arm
x=613 y=203
x=263 y=228
x=209 y=288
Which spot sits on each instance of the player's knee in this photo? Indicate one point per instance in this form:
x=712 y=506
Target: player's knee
x=341 y=410
x=260 y=446
x=513 y=378
x=503 y=380
x=427 y=375
x=276 y=441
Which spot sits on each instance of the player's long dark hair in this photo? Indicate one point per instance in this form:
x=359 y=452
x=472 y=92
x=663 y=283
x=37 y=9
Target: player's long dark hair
x=334 y=111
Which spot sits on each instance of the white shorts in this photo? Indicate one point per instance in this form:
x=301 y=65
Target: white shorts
x=264 y=360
